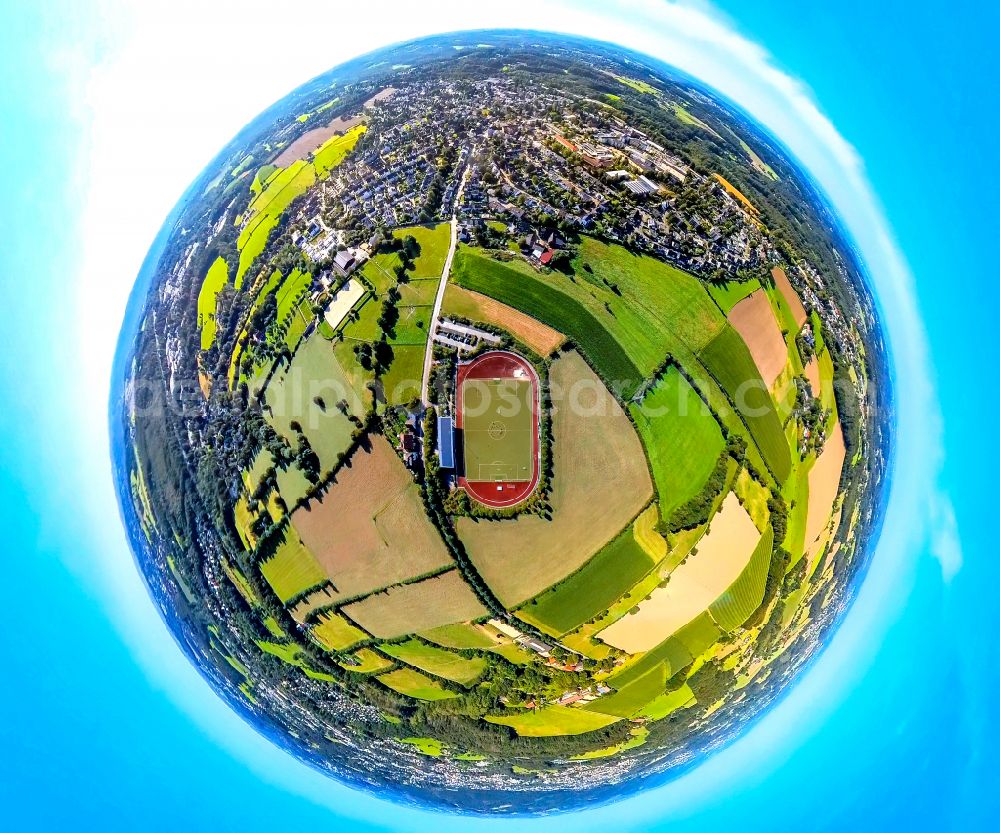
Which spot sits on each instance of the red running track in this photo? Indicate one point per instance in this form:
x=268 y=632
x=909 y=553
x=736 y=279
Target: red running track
x=501 y=364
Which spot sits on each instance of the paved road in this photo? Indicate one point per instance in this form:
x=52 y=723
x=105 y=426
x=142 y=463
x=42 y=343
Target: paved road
x=439 y=299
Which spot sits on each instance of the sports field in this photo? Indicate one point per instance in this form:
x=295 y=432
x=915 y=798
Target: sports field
x=498 y=418
x=600 y=483
x=497 y=429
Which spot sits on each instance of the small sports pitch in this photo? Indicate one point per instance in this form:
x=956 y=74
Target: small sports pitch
x=497 y=413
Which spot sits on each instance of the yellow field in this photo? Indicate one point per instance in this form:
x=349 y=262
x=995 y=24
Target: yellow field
x=824 y=480
x=600 y=483
x=717 y=562
x=406 y=609
x=371 y=530
x=293 y=569
x=476 y=307
x=335 y=633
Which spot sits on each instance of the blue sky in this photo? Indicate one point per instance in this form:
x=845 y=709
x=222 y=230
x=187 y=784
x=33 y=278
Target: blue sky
x=106 y=726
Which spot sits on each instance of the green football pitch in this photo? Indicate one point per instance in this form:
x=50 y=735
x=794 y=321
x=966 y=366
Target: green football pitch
x=497 y=427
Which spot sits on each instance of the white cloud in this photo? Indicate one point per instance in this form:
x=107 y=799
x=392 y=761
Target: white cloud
x=167 y=85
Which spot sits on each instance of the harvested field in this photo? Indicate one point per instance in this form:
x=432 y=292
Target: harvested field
x=600 y=483
x=408 y=608
x=790 y=295
x=552 y=721
x=321 y=597
x=824 y=482
x=754 y=320
x=370 y=530
x=739 y=602
x=477 y=307
x=812 y=374
x=312 y=139
x=720 y=558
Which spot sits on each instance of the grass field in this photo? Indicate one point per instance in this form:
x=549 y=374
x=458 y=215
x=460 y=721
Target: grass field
x=625 y=312
x=600 y=483
x=592 y=589
x=476 y=307
x=409 y=608
x=667 y=704
x=426 y=746
x=414 y=684
x=292 y=569
x=437 y=661
x=683 y=440
x=534 y=297
x=797 y=313
x=266 y=208
x=731 y=293
x=335 y=633
x=676 y=652
x=737 y=604
x=638 y=738
x=434 y=242
x=633 y=696
x=401 y=382
x=370 y=529
x=215 y=279
x=552 y=721
x=461 y=635
x=729 y=361
x=333 y=151
x=291 y=397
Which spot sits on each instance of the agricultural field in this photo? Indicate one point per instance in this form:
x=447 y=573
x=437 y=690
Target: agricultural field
x=737 y=604
x=266 y=209
x=292 y=569
x=754 y=320
x=729 y=294
x=683 y=440
x=365 y=661
x=633 y=696
x=370 y=530
x=600 y=484
x=729 y=361
x=721 y=556
x=552 y=721
x=476 y=307
x=437 y=661
x=335 y=633
x=332 y=152
x=434 y=242
x=307 y=394
x=414 y=684
x=216 y=278
x=591 y=590
x=462 y=635
x=824 y=483
x=792 y=300
x=409 y=608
